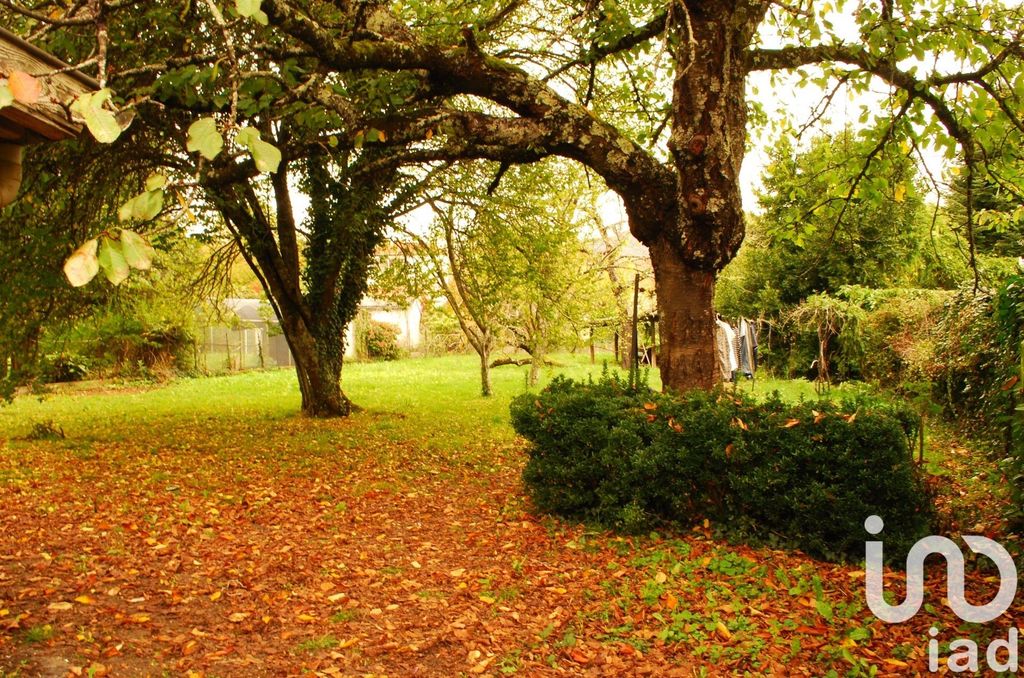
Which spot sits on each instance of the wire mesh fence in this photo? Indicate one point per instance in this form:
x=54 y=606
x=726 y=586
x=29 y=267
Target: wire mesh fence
x=227 y=349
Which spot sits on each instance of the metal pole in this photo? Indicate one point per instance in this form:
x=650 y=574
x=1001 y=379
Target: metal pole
x=634 y=380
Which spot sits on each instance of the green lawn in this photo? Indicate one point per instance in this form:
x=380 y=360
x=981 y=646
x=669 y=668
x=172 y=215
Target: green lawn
x=435 y=393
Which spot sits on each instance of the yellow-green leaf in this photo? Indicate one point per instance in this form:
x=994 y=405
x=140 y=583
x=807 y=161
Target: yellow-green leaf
x=137 y=252
x=142 y=207
x=247 y=136
x=204 y=137
x=112 y=262
x=155 y=181
x=101 y=122
x=247 y=8
x=266 y=156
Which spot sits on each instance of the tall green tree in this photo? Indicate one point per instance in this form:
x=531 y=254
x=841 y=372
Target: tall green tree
x=1000 y=213
x=65 y=198
x=532 y=223
x=465 y=253
x=242 y=119
x=508 y=258
x=820 y=228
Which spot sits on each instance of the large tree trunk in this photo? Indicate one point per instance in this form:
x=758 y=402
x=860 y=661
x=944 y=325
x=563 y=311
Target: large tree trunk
x=318 y=363
x=707 y=144
x=686 y=320
x=320 y=384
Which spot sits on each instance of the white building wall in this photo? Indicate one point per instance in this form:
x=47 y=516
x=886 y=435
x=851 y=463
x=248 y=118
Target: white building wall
x=407 y=321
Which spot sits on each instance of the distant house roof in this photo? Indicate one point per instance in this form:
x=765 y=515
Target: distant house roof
x=47 y=120
x=248 y=310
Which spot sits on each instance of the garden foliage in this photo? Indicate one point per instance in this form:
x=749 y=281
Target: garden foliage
x=803 y=476
x=380 y=340
x=979 y=379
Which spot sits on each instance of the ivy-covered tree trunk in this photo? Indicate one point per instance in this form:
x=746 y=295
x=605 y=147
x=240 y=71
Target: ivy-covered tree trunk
x=318 y=364
x=316 y=295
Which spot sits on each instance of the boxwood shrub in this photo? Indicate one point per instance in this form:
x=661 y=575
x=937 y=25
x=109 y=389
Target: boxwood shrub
x=802 y=476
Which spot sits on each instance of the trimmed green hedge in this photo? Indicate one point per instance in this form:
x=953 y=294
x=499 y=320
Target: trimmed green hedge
x=803 y=476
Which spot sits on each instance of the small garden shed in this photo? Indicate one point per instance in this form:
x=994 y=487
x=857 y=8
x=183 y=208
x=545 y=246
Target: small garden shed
x=47 y=119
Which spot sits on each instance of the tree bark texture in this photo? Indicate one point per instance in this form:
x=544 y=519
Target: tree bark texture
x=686 y=320
x=318 y=370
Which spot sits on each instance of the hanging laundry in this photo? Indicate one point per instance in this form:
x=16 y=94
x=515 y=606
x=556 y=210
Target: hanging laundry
x=752 y=330
x=735 y=349
x=725 y=343
x=747 y=344
x=722 y=349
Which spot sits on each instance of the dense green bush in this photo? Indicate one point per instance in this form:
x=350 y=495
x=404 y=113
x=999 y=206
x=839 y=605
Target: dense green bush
x=804 y=476
x=129 y=346
x=897 y=336
x=113 y=343
x=974 y=364
x=380 y=340
x=882 y=336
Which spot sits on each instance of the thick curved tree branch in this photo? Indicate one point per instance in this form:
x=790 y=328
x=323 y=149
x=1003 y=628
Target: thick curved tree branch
x=627 y=168
x=924 y=90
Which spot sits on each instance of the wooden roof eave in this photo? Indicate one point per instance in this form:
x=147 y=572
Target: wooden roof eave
x=49 y=119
